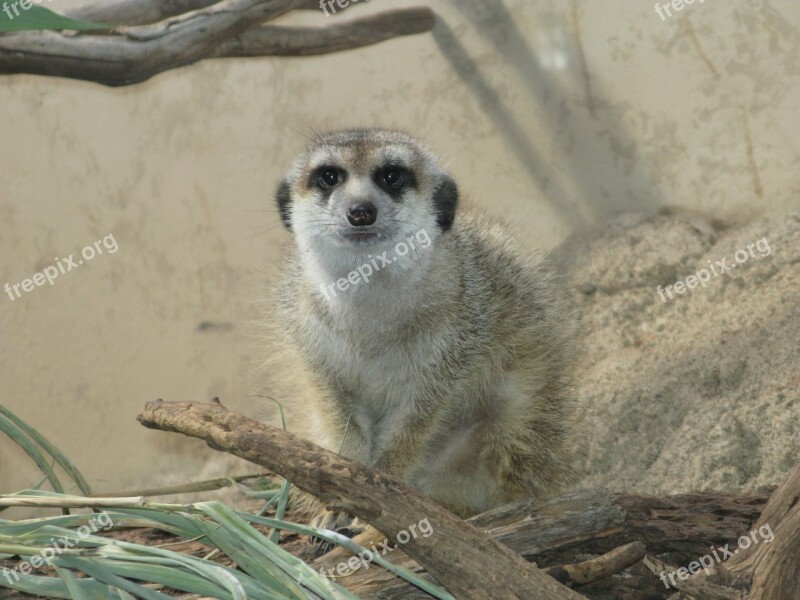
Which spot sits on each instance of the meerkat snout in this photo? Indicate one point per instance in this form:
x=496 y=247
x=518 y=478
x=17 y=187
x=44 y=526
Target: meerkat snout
x=362 y=214
x=431 y=347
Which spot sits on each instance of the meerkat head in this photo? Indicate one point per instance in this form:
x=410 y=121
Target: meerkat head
x=352 y=192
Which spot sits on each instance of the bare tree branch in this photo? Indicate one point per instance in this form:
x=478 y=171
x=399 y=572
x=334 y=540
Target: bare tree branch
x=273 y=40
x=136 y=53
x=140 y=12
x=136 y=12
x=228 y=28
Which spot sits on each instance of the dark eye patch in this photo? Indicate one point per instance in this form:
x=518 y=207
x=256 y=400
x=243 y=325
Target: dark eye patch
x=326 y=177
x=394 y=179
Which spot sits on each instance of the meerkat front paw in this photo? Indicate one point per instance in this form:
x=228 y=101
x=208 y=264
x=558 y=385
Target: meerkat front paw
x=331 y=520
x=337 y=521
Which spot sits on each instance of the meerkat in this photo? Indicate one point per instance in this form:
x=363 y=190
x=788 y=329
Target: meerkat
x=445 y=363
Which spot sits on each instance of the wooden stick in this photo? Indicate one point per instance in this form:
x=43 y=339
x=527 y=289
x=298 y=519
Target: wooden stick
x=460 y=556
x=599 y=567
x=208 y=485
x=71 y=502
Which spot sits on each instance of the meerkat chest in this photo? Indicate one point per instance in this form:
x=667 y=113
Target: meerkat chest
x=381 y=384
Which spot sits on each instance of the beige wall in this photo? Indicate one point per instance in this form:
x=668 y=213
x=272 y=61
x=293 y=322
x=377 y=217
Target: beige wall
x=181 y=171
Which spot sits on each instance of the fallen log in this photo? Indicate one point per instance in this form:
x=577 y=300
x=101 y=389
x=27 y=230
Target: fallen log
x=769 y=570
x=592 y=523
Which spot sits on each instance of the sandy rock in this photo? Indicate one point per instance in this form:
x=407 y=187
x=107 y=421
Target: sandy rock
x=697 y=392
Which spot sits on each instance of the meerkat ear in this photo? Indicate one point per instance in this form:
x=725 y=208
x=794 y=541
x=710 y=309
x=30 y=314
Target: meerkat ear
x=284 y=199
x=445 y=201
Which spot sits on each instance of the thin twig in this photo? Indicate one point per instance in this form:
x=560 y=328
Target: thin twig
x=72 y=502
x=184 y=488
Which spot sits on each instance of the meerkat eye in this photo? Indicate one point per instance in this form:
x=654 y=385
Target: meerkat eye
x=393 y=177
x=328 y=177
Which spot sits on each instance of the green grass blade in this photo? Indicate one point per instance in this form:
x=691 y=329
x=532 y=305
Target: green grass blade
x=172 y=521
x=132 y=561
x=175 y=578
x=119 y=520
x=269 y=572
x=101 y=573
x=236 y=582
x=240 y=552
x=66 y=464
x=342 y=540
x=283 y=495
x=75 y=591
x=54 y=587
x=283 y=499
x=257 y=545
x=19 y=437
x=184 y=523
x=38 y=17
x=269 y=494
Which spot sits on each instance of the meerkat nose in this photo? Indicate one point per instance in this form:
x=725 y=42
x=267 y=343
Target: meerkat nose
x=362 y=214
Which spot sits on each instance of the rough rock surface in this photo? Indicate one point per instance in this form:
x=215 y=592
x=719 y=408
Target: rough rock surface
x=698 y=392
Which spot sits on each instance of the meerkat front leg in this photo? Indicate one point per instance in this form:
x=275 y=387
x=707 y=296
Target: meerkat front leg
x=404 y=448
x=395 y=460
